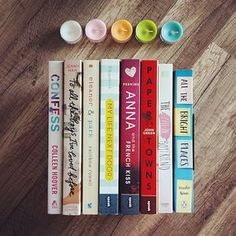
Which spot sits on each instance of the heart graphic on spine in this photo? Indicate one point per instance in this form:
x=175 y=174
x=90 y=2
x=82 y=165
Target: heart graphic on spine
x=130 y=71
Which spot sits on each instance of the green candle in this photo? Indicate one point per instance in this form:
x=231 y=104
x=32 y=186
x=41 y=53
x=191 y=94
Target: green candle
x=146 y=31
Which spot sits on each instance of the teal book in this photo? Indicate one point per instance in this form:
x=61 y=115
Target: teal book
x=109 y=137
x=183 y=142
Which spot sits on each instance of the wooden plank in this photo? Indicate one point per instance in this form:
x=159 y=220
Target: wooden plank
x=207 y=67
x=14 y=16
x=23 y=156
x=198 y=18
x=226 y=38
x=32 y=219
x=225 y=218
x=24 y=56
x=203 y=36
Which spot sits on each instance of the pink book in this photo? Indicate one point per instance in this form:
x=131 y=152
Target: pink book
x=130 y=136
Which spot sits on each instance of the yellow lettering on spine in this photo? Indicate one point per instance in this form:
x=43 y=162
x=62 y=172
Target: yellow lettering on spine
x=109 y=139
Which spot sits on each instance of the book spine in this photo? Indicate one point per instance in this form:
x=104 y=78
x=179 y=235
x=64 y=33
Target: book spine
x=148 y=136
x=165 y=152
x=183 y=141
x=72 y=138
x=55 y=136
x=109 y=137
x=130 y=136
x=90 y=136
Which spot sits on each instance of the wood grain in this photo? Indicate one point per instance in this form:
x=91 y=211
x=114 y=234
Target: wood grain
x=29 y=38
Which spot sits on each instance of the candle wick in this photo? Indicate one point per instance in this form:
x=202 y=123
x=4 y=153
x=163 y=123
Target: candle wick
x=123 y=29
x=97 y=30
x=174 y=32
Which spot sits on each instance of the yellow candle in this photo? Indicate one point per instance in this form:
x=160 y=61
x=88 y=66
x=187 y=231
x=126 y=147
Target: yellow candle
x=121 y=31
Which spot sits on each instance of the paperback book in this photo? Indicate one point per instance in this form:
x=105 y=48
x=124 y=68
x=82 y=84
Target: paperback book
x=55 y=117
x=72 y=138
x=90 y=136
x=130 y=136
x=183 y=141
x=165 y=150
x=148 y=136
x=109 y=137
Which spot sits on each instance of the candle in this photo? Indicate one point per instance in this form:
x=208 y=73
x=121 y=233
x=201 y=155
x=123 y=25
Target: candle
x=121 y=31
x=96 y=30
x=146 y=31
x=71 y=31
x=171 y=32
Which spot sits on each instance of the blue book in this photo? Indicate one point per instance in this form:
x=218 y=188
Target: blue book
x=109 y=137
x=183 y=141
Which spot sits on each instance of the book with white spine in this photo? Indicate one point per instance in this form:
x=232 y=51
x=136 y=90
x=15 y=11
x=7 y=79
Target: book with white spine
x=165 y=150
x=90 y=136
x=55 y=138
x=72 y=138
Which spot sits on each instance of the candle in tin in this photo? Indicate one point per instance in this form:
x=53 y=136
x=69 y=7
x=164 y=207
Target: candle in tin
x=121 y=31
x=71 y=31
x=96 y=30
x=146 y=31
x=171 y=32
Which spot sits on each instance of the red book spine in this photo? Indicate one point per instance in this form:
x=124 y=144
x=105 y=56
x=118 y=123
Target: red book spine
x=149 y=104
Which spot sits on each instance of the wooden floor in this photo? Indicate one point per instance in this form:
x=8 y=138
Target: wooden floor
x=29 y=38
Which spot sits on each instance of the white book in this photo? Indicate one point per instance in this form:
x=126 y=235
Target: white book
x=165 y=138
x=55 y=117
x=72 y=138
x=90 y=136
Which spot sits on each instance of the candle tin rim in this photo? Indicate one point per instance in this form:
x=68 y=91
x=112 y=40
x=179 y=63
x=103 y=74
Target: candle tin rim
x=156 y=31
x=103 y=36
x=66 y=39
x=171 y=41
x=130 y=34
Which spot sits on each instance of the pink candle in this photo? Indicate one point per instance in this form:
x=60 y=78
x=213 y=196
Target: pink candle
x=96 y=30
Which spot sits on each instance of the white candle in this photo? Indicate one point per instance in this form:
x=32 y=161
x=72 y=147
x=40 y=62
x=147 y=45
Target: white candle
x=71 y=31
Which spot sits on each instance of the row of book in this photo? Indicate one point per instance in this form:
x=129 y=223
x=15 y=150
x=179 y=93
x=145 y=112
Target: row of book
x=120 y=137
